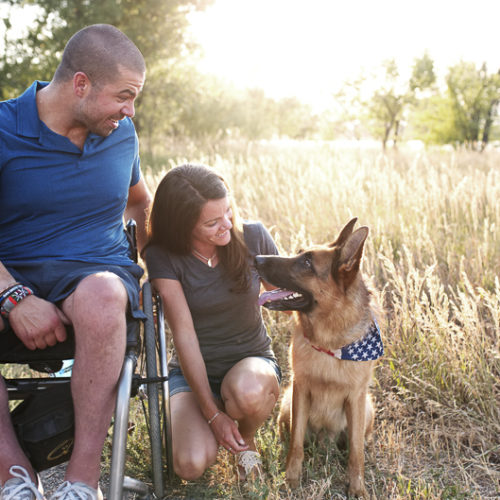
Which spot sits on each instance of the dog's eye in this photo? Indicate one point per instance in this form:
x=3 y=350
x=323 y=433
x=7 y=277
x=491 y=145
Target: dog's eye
x=308 y=261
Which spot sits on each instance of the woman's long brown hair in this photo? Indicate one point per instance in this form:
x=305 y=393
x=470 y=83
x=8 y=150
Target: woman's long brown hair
x=177 y=205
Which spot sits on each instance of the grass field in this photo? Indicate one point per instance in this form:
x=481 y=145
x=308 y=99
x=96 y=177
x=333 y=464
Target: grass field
x=433 y=254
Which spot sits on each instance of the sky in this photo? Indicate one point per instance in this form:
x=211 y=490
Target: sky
x=307 y=48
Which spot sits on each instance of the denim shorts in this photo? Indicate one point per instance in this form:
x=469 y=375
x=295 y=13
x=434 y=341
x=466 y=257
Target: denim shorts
x=177 y=383
x=56 y=280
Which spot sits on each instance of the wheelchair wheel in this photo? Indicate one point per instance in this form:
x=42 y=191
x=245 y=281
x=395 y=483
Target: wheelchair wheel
x=158 y=399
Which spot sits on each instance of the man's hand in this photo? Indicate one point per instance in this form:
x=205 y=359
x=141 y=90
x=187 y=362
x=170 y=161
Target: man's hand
x=38 y=323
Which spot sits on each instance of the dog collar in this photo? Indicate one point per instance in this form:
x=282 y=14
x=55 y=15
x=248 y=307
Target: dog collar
x=368 y=348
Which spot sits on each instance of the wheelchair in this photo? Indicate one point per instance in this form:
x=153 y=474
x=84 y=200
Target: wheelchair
x=47 y=435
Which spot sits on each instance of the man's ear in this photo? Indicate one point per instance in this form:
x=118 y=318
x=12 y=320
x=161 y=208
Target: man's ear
x=81 y=84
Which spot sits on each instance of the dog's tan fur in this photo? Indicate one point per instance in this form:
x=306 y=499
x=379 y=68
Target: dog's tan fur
x=325 y=392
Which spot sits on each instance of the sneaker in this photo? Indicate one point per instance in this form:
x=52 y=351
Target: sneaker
x=249 y=466
x=21 y=487
x=76 y=491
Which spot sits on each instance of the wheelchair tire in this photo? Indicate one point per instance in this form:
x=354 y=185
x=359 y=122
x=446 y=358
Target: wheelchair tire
x=167 y=421
x=158 y=398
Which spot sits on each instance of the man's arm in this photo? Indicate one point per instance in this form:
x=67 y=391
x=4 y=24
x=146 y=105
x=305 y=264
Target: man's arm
x=37 y=322
x=139 y=200
x=6 y=279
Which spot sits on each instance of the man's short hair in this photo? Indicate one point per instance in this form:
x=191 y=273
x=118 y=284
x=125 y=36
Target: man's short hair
x=98 y=51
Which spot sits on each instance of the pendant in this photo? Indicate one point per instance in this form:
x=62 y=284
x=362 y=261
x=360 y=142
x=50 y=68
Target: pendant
x=209 y=262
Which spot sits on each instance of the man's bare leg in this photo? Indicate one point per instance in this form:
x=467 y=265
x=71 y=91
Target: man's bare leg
x=11 y=453
x=97 y=311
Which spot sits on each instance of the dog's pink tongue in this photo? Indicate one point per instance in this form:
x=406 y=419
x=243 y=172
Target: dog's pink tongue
x=277 y=294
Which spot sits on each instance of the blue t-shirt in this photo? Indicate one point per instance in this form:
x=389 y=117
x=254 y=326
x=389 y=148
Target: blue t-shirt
x=58 y=202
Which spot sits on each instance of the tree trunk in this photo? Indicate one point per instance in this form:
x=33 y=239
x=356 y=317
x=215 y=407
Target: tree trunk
x=488 y=123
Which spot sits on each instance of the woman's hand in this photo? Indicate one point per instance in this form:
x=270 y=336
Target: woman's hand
x=227 y=434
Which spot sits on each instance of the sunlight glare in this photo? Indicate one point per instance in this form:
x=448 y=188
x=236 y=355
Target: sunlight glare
x=308 y=48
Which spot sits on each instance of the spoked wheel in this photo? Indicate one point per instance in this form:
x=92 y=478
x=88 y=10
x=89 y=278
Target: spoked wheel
x=155 y=362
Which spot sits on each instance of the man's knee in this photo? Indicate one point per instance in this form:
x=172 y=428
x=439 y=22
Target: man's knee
x=98 y=305
x=104 y=288
x=101 y=294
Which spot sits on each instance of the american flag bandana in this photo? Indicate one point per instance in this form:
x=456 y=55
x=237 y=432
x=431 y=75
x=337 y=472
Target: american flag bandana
x=368 y=348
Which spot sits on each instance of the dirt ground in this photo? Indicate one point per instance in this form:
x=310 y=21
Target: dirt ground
x=52 y=478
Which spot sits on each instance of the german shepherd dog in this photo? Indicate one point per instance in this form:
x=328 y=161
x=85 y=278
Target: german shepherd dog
x=334 y=344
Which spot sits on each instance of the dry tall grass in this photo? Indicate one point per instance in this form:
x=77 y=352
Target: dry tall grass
x=434 y=255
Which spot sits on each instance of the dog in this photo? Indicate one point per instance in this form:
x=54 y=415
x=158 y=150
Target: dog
x=334 y=345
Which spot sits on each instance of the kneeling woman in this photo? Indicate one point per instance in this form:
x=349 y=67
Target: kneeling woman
x=224 y=378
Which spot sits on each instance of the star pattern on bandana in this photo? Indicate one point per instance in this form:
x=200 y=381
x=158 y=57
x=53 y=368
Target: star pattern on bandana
x=369 y=348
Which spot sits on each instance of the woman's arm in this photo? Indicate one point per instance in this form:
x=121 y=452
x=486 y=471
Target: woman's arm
x=193 y=366
x=186 y=343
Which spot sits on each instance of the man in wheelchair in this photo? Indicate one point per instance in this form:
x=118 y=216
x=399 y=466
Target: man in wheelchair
x=69 y=174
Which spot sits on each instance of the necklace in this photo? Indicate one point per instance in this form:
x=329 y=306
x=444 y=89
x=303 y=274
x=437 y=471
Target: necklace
x=209 y=260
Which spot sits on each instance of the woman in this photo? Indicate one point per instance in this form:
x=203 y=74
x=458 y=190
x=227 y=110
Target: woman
x=224 y=378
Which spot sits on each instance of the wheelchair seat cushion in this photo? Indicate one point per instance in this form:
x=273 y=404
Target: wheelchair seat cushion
x=12 y=350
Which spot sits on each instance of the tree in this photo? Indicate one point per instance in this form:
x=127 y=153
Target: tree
x=474 y=97
x=465 y=113
x=256 y=115
x=383 y=109
x=294 y=119
x=389 y=104
x=158 y=27
x=432 y=120
x=423 y=76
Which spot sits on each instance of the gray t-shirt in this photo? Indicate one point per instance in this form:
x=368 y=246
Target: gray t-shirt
x=228 y=325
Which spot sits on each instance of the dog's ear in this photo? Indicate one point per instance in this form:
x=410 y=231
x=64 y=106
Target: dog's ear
x=346 y=266
x=345 y=233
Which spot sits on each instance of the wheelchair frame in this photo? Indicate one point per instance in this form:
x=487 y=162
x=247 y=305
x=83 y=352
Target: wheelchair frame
x=160 y=431
x=152 y=351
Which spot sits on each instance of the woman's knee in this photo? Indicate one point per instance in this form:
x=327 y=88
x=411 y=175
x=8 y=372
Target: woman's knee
x=253 y=395
x=191 y=464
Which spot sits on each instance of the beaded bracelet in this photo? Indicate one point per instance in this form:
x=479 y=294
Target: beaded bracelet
x=10 y=300
x=7 y=291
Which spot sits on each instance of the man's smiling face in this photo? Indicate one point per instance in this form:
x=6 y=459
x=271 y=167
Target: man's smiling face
x=104 y=106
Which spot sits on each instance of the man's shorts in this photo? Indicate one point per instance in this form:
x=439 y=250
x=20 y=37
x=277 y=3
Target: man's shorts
x=56 y=280
x=177 y=382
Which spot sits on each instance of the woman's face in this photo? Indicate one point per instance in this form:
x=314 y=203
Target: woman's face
x=214 y=224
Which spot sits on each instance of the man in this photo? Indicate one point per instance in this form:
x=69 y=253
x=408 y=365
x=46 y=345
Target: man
x=69 y=175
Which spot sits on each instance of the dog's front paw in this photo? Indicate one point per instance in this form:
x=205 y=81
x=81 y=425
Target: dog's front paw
x=293 y=474
x=358 y=490
x=293 y=482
